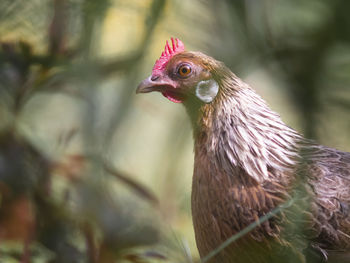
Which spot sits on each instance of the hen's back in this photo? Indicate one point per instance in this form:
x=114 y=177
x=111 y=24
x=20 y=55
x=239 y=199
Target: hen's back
x=328 y=173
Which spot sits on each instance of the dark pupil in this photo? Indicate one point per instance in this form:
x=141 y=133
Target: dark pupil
x=184 y=70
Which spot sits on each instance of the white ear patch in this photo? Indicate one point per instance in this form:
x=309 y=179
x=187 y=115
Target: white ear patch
x=206 y=90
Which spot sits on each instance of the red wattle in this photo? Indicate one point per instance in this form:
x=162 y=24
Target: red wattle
x=172 y=96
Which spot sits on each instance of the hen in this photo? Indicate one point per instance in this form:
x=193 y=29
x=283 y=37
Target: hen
x=248 y=163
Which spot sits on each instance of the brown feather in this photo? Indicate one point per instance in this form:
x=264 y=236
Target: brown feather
x=247 y=162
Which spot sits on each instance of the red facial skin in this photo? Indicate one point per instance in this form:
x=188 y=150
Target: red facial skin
x=176 y=73
x=159 y=81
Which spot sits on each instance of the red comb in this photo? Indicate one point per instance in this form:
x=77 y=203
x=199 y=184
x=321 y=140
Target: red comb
x=167 y=54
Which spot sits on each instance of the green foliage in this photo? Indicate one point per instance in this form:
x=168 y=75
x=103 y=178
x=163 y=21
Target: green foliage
x=70 y=192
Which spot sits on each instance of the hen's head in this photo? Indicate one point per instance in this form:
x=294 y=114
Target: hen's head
x=181 y=76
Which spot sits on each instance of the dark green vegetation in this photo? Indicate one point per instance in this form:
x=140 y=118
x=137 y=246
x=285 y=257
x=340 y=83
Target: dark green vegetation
x=67 y=184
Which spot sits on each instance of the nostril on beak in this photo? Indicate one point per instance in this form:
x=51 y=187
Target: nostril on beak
x=154 y=78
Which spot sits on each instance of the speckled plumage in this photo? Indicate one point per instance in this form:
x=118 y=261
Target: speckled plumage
x=247 y=162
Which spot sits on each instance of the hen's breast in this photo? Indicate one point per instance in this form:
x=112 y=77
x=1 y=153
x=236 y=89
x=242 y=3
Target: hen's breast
x=224 y=204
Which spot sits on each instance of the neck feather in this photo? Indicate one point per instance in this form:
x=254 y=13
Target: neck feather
x=239 y=130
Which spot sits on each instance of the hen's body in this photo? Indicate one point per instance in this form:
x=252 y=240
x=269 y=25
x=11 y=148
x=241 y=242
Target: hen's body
x=247 y=162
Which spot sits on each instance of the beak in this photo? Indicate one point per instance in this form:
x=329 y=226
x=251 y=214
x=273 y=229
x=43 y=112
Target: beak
x=154 y=84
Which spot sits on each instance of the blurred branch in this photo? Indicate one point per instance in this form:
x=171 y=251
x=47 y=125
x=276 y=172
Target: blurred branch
x=73 y=169
x=90 y=244
x=127 y=62
x=93 y=14
x=303 y=65
x=105 y=226
x=57 y=28
x=137 y=187
x=151 y=20
x=22 y=58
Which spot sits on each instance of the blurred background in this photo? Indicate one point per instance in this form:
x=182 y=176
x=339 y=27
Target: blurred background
x=90 y=172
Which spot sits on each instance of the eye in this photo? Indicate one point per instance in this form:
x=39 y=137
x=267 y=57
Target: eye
x=184 y=70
